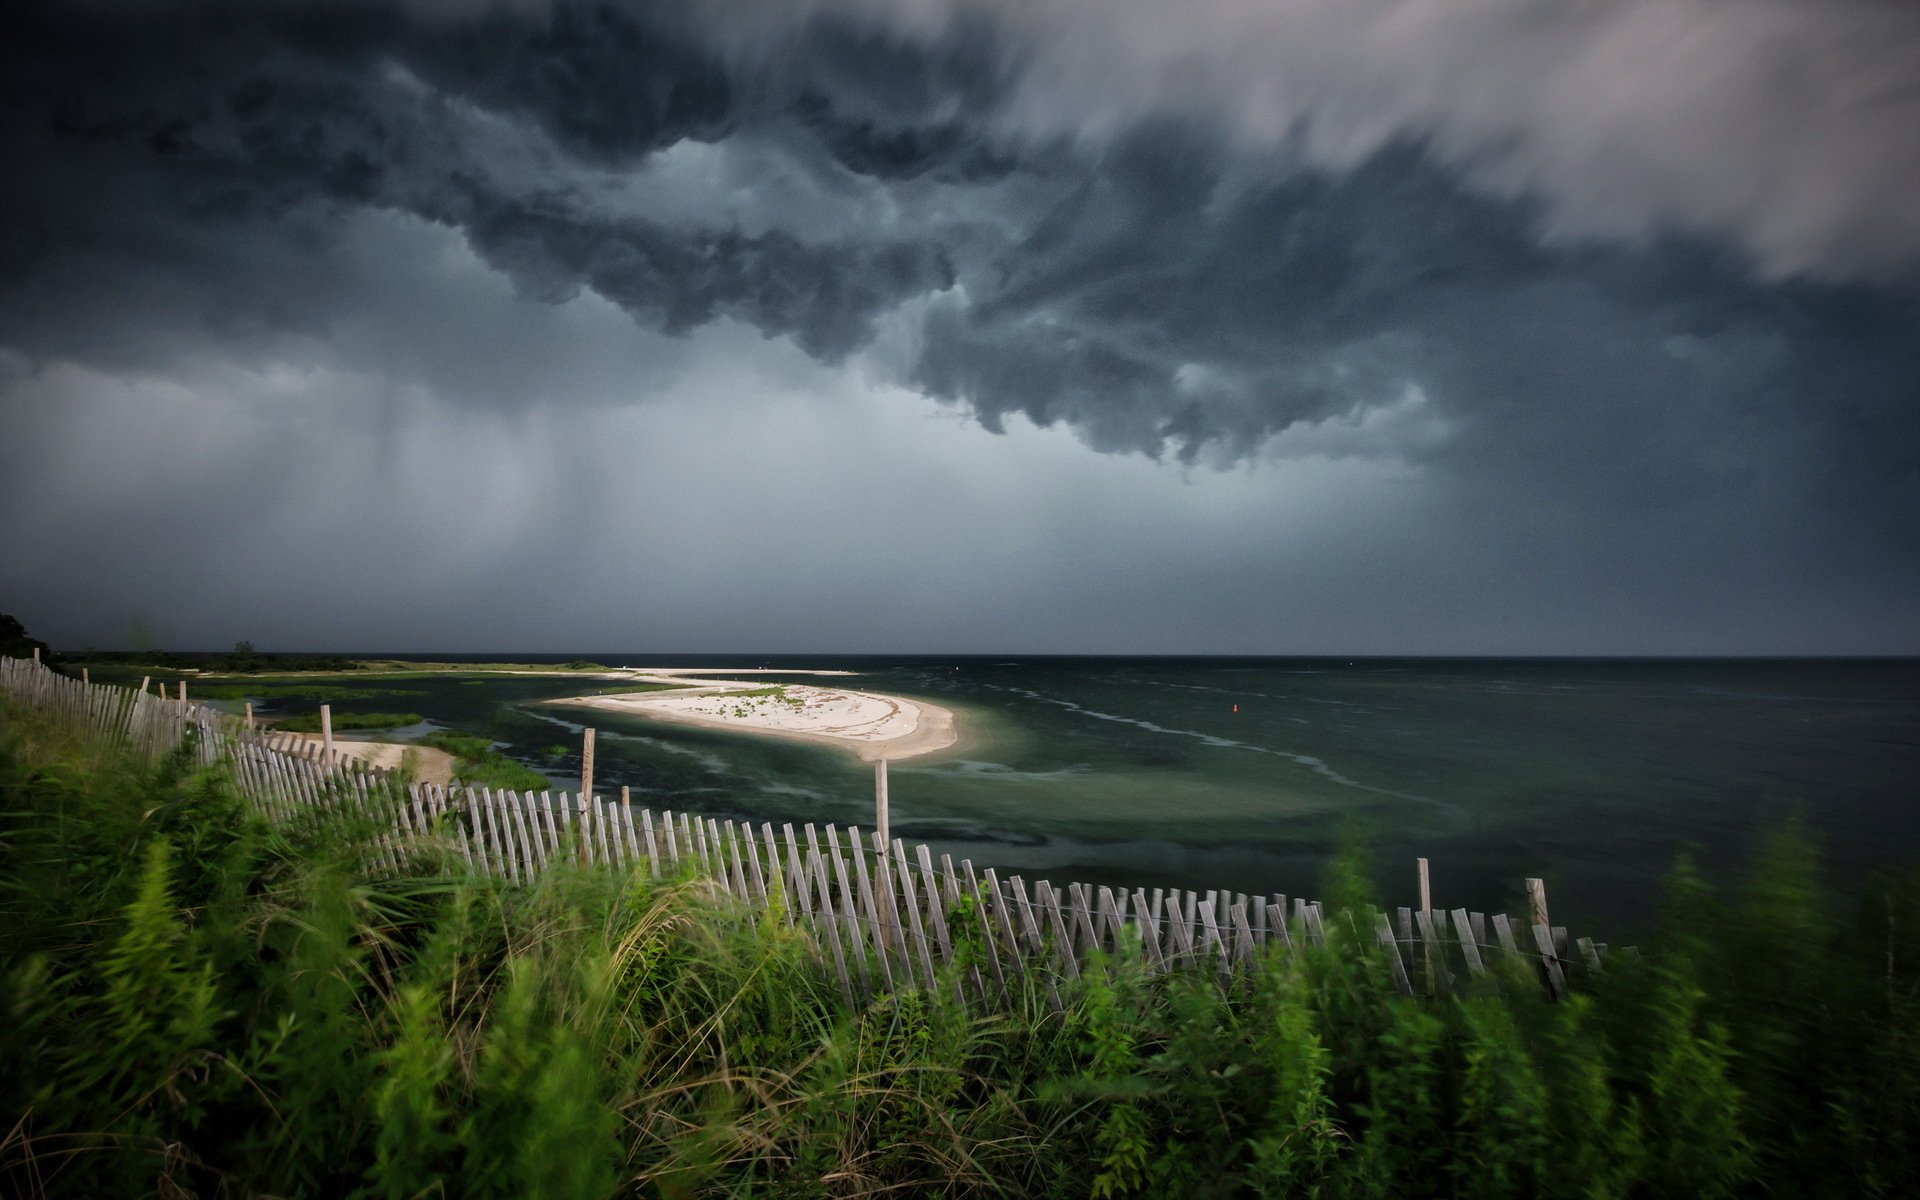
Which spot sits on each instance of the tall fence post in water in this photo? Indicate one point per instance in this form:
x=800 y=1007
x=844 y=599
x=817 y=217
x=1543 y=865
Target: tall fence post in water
x=326 y=727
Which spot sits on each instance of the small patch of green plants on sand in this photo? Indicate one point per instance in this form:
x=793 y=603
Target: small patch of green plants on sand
x=200 y=1003
x=745 y=701
x=477 y=764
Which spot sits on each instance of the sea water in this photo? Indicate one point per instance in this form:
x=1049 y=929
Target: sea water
x=1246 y=774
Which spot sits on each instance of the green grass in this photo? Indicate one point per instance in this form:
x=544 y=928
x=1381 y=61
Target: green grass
x=299 y=691
x=200 y=1003
x=460 y=745
x=402 y=667
x=310 y=722
x=478 y=764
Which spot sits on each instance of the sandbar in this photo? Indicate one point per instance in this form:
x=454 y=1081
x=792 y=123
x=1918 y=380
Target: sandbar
x=869 y=725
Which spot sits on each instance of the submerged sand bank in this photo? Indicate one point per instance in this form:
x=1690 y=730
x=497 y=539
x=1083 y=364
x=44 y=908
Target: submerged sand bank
x=868 y=724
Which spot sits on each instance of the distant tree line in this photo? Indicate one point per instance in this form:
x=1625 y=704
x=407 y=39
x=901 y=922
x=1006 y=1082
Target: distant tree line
x=243 y=658
x=14 y=642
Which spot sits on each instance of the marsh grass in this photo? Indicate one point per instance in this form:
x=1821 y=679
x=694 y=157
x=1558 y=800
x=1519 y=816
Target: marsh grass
x=478 y=764
x=198 y=1003
x=310 y=722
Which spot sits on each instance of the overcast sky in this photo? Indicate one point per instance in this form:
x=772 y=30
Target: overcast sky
x=1139 y=326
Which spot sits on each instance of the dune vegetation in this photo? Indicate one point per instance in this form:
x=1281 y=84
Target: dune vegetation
x=477 y=764
x=198 y=1002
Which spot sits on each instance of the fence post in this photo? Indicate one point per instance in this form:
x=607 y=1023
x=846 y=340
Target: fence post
x=1426 y=926
x=86 y=679
x=1536 y=902
x=586 y=787
x=326 y=724
x=880 y=800
x=249 y=714
x=183 y=691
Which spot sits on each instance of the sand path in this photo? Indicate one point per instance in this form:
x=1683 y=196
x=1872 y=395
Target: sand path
x=431 y=765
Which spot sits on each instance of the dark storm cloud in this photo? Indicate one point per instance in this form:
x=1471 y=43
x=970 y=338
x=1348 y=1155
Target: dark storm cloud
x=231 y=116
x=1587 y=286
x=1170 y=308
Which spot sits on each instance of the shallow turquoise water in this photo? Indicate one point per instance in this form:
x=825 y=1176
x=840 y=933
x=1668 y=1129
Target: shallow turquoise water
x=1592 y=774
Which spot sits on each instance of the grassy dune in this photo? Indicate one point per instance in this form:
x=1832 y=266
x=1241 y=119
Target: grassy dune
x=198 y=1003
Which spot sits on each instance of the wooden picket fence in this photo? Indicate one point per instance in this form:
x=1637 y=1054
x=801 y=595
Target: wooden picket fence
x=883 y=916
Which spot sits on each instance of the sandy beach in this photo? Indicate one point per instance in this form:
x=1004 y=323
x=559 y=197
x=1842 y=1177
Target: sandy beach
x=431 y=765
x=868 y=724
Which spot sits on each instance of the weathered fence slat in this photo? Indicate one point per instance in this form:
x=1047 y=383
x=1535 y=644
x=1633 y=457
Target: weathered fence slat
x=1469 y=945
x=1383 y=935
x=876 y=927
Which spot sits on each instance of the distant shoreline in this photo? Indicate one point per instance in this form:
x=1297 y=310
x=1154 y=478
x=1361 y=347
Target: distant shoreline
x=870 y=725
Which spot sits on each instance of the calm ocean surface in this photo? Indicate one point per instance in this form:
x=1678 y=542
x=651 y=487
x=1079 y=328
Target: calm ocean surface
x=1591 y=773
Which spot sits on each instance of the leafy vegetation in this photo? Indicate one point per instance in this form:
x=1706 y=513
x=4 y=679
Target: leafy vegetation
x=478 y=764
x=740 y=702
x=200 y=1003
x=310 y=722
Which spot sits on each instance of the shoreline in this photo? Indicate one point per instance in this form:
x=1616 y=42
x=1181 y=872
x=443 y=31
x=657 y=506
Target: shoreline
x=869 y=725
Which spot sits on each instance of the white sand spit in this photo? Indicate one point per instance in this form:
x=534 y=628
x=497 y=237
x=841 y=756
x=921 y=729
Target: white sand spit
x=869 y=724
